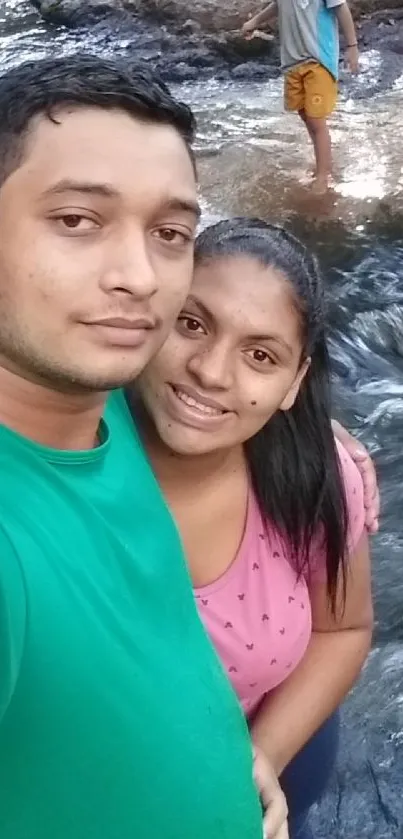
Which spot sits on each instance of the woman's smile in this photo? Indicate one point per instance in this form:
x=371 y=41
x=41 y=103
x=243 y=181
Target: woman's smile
x=192 y=408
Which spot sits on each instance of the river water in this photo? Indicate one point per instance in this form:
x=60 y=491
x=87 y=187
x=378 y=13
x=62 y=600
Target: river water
x=252 y=159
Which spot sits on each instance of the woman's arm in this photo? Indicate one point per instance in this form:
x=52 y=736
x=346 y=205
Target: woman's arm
x=292 y=713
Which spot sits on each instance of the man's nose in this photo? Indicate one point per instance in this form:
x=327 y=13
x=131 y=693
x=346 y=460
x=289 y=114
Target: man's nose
x=131 y=269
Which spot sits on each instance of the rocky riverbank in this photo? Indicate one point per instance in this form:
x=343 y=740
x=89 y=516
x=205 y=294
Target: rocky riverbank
x=194 y=42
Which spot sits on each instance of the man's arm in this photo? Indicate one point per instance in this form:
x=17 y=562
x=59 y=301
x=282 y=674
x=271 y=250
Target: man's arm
x=366 y=468
x=267 y=17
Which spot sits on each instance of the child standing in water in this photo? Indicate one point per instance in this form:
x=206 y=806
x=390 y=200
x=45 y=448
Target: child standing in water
x=309 y=40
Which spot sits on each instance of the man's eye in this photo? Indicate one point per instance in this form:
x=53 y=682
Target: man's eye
x=75 y=222
x=173 y=236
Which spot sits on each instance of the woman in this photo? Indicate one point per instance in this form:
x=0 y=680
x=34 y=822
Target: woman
x=236 y=420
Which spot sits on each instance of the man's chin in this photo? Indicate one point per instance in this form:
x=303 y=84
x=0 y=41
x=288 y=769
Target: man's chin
x=119 y=375
x=85 y=382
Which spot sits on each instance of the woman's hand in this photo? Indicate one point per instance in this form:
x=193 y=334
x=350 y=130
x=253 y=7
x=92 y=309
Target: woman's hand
x=272 y=797
x=366 y=468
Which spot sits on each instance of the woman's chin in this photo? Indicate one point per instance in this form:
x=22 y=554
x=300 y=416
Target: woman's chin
x=185 y=441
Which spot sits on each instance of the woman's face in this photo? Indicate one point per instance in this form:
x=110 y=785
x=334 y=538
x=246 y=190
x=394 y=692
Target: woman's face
x=232 y=360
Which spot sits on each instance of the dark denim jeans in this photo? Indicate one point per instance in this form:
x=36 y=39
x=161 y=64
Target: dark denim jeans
x=306 y=778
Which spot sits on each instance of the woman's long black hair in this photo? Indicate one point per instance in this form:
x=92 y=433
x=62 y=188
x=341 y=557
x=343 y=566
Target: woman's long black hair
x=293 y=461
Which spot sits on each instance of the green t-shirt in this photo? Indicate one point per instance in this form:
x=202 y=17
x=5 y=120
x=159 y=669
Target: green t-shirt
x=116 y=720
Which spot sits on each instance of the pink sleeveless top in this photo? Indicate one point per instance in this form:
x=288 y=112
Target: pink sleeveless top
x=258 y=614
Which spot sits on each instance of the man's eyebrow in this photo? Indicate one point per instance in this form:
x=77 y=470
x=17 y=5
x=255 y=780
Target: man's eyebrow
x=185 y=205
x=105 y=190
x=87 y=187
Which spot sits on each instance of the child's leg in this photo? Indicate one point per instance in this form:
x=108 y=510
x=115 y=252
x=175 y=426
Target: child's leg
x=303 y=116
x=294 y=89
x=319 y=133
x=320 y=96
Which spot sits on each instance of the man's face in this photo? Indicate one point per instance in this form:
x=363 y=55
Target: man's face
x=96 y=248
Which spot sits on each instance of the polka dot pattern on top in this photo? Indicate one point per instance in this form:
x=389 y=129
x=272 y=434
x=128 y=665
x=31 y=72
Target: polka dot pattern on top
x=258 y=613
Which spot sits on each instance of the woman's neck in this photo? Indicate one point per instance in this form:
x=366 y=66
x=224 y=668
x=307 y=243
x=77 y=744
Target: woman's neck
x=176 y=470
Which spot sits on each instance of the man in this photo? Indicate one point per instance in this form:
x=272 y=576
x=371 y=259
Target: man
x=116 y=719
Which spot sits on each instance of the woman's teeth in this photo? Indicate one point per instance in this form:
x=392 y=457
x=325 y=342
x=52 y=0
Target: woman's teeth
x=193 y=403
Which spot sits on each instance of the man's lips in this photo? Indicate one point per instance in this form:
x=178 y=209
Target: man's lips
x=125 y=323
x=122 y=331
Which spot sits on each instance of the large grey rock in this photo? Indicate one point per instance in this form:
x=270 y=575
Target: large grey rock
x=364 y=799
x=212 y=25
x=210 y=14
x=206 y=25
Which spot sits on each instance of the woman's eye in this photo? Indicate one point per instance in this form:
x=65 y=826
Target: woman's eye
x=260 y=356
x=190 y=324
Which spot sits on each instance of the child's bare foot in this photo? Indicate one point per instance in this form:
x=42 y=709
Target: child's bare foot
x=320 y=184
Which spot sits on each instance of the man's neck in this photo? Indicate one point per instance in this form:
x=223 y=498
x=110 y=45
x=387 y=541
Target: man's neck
x=54 y=419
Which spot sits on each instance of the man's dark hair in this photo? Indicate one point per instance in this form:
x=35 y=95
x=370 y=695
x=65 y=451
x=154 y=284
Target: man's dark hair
x=48 y=85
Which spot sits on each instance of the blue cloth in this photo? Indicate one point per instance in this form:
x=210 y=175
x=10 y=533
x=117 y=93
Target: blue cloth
x=306 y=778
x=309 y=31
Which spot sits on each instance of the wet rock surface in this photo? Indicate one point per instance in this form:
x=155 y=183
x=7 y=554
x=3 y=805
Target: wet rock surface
x=205 y=37
x=253 y=159
x=209 y=13
x=364 y=799
x=366 y=312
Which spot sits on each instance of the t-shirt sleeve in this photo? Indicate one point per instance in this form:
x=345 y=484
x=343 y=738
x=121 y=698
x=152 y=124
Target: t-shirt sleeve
x=333 y=4
x=12 y=620
x=354 y=492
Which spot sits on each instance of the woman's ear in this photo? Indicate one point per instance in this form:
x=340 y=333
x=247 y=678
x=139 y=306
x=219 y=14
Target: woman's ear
x=292 y=394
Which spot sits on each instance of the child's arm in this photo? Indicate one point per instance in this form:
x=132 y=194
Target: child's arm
x=266 y=17
x=347 y=27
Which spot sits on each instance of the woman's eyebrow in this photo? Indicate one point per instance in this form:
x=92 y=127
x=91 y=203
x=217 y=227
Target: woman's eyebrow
x=271 y=339
x=199 y=305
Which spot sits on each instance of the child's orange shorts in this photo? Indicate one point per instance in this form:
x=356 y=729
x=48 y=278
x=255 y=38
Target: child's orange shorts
x=311 y=88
